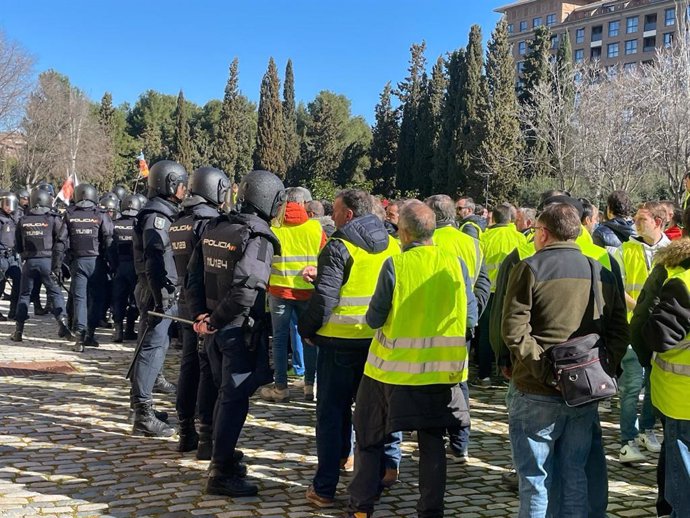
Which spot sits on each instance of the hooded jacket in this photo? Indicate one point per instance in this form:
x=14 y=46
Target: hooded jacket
x=334 y=266
x=614 y=232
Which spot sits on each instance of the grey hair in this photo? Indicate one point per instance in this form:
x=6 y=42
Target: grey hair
x=529 y=213
x=443 y=207
x=357 y=200
x=378 y=209
x=297 y=194
x=469 y=202
x=418 y=220
x=316 y=207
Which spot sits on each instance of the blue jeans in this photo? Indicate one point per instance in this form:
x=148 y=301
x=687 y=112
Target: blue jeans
x=677 y=441
x=284 y=326
x=630 y=385
x=551 y=445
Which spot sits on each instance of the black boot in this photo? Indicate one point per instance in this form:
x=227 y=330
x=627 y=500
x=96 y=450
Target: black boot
x=189 y=439
x=228 y=482
x=90 y=340
x=205 y=448
x=238 y=467
x=163 y=386
x=63 y=329
x=147 y=424
x=38 y=309
x=18 y=332
x=118 y=335
x=79 y=343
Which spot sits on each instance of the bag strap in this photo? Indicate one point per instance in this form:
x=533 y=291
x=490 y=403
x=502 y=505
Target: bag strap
x=596 y=294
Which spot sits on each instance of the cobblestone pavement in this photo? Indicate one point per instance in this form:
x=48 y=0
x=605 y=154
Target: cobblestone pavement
x=65 y=449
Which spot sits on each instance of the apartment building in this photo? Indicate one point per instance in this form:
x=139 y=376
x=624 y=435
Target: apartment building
x=614 y=32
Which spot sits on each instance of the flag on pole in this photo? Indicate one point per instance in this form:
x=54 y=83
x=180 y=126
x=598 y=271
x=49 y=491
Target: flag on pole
x=67 y=189
x=143 y=166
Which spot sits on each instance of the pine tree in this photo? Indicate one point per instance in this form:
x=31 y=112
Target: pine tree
x=269 y=153
x=503 y=141
x=290 y=116
x=445 y=165
x=106 y=113
x=225 y=146
x=384 y=145
x=182 y=147
x=410 y=93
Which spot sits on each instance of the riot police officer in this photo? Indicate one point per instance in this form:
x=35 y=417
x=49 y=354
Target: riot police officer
x=10 y=266
x=121 y=260
x=157 y=279
x=23 y=207
x=109 y=204
x=37 y=241
x=207 y=189
x=120 y=191
x=87 y=232
x=226 y=284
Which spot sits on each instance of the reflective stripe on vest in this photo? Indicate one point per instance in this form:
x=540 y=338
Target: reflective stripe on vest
x=300 y=246
x=423 y=347
x=670 y=377
x=497 y=243
x=348 y=318
x=460 y=244
x=472 y=224
x=636 y=270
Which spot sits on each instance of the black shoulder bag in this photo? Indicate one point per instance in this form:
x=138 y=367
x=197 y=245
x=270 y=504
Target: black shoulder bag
x=581 y=365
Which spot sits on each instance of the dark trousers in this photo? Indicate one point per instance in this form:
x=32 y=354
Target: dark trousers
x=339 y=373
x=86 y=284
x=192 y=388
x=371 y=413
x=37 y=269
x=12 y=271
x=123 y=287
x=460 y=436
x=485 y=354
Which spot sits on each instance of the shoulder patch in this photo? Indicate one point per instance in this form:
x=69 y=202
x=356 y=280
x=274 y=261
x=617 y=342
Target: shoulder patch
x=159 y=222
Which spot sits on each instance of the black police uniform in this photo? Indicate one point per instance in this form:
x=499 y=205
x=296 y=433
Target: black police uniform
x=87 y=233
x=227 y=277
x=184 y=236
x=156 y=282
x=121 y=259
x=37 y=236
x=10 y=265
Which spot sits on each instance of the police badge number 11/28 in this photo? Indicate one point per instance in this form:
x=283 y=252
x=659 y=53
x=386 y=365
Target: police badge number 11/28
x=159 y=223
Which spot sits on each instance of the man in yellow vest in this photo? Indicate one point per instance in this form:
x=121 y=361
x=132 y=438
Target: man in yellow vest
x=468 y=222
x=347 y=270
x=301 y=240
x=415 y=361
x=637 y=260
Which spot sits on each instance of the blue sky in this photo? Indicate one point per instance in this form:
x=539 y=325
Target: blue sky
x=349 y=47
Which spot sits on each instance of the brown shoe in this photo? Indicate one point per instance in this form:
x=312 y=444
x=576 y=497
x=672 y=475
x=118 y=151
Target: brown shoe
x=390 y=478
x=347 y=465
x=317 y=500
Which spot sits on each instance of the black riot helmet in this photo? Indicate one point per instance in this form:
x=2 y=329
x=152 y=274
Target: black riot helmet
x=40 y=198
x=85 y=192
x=209 y=183
x=23 y=194
x=8 y=202
x=120 y=191
x=262 y=190
x=48 y=187
x=143 y=199
x=165 y=177
x=131 y=205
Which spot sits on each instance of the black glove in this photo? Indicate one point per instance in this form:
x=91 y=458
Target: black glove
x=152 y=320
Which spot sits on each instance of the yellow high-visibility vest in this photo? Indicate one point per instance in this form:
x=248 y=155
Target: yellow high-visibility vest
x=300 y=246
x=348 y=318
x=636 y=269
x=461 y=245
x=497 y=243
x=416 y=347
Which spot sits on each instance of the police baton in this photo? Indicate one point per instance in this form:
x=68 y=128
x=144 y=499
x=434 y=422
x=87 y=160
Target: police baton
x=172 y=317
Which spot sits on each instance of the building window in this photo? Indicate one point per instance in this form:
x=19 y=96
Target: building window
x=668 y=39
x=650 y=22
x=523 y=26
x=612 y=50
x=554 y=41
x=629 y=67
x=649 y=44
x=510 y=28
x=595 y=53
x=614 y=27
x=536 y=22
x=670 y=17
x=522 y=48
x=596 y=33
x=630 y=47
x=631 y=24
x=579 y=56
x=550 y=20
x=520 y=66
x=579 y=36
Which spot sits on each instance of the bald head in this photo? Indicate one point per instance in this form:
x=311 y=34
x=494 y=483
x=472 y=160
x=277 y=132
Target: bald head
x=417 y=223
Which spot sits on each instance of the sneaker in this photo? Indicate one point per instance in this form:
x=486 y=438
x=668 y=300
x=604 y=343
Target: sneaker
x=510 y=478
x=309 y=392
x=631 y=453
x=605 y=405
x=456 y=456
x=481 y=382
x=273 y=393
x=648 y=440
x=318 y=500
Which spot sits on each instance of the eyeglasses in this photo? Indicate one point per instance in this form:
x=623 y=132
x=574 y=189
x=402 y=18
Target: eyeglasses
x=534 y=229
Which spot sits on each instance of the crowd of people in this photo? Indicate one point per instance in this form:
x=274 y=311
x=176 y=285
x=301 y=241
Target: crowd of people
x=380 y=304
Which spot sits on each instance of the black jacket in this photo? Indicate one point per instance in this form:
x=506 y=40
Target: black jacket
x=471 y=230
x=613 y=232
x=334 y=265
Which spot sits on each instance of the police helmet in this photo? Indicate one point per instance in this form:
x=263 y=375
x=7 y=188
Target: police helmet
x=131 y=205
x=109 y=201
x=120 y=191
x=40 y=198
x=8 y=202
x=85 y=192
x=262 y=190
x=23 y=193
x=48 y=187
x=165 y=177
x=143 y=199
x=209 y=183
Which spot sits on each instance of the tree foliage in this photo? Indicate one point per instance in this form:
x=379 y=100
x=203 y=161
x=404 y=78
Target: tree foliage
x=269 y=153
x=384 y=145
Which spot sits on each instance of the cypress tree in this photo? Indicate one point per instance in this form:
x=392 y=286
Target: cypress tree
x=384 y=145
x=502 y=145
x=225 y=145
x=444 y=158
x=106 y=113
x=182 y=151
x=269 y=153
x=290 y=116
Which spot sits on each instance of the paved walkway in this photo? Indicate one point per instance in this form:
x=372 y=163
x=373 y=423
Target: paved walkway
x=65 y=449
